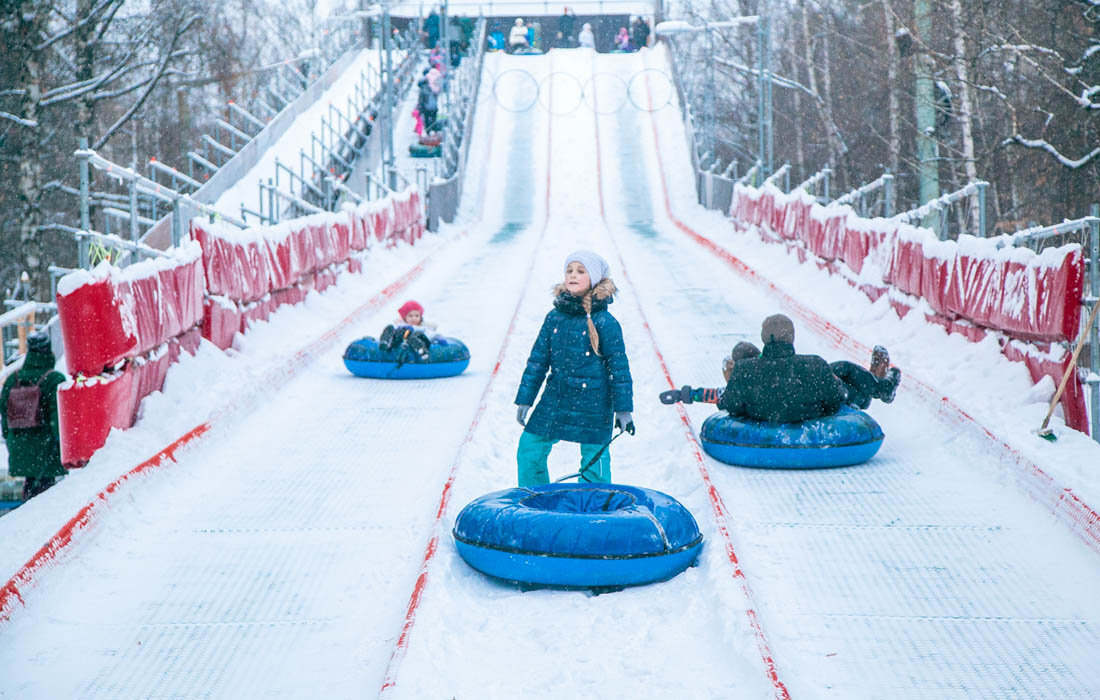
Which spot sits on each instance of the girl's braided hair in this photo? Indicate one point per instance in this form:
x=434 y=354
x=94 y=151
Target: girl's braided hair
x=593 y=336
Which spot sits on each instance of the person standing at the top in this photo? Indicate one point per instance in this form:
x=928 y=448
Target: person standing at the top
x=431 y=28
x=586 y=38
x=517 y=38
x=639 y=32
x=565 y=28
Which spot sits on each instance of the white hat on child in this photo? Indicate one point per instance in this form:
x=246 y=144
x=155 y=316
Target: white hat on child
x=594 y=265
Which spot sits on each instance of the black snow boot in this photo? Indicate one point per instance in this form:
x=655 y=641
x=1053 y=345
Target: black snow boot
x=887 y=387
x=389 y=339
x=419 y=344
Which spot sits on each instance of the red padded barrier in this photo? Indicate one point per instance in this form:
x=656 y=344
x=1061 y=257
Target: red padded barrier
x=87 y=410
x=857 y=246
x=1040 y=365
x=94 y=305
x=934 y=280
x=222 y=321
x=1041 y=302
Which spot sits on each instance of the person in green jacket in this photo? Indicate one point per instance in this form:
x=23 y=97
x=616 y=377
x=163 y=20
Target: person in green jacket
x=34 y=453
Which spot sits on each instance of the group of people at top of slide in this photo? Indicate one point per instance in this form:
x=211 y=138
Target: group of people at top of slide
x=523 y=36
x=589 y=390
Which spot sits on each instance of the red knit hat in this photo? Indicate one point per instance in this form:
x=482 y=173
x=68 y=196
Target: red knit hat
x=409 y=306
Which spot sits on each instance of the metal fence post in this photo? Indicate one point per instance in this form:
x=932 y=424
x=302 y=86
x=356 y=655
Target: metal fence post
x=272 y=213
x=888 y=186
x=177 y=222
x=981 y=210
x=133 y=211
x=85 y=213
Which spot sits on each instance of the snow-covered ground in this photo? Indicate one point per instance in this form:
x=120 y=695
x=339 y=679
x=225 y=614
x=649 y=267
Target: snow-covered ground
x=278 y=555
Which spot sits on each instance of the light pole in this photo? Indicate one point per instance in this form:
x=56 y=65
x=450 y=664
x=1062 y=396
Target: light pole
x=671 y=28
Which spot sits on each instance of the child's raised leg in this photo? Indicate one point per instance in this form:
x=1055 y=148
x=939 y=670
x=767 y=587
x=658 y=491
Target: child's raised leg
x=531 y=459
x=600 y=471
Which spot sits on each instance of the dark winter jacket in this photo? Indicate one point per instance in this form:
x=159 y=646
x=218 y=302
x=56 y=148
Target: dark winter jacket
x=34 y=452
x=565 y=25
x=584 y=389
x=427 y=101
x=639 y=34
x=782 y=387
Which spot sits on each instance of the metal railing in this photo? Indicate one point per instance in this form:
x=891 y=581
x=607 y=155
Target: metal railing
x=867 y=198
x=936 y=213
x=783 y=173
x=822 y=178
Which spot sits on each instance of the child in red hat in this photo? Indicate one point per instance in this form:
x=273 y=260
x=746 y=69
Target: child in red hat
x=408 y=329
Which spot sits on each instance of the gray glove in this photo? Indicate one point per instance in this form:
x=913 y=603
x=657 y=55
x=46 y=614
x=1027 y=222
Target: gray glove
x=521 y=415
x=624 y=420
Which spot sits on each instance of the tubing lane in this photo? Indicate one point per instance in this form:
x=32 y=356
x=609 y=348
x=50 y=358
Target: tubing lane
x=1079 y=517
x=718 y=506
x=400 y=648
x=68 y=535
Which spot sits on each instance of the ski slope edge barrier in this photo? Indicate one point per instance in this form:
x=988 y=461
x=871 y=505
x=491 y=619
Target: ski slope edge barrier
x=124 y=327
x=25 y=578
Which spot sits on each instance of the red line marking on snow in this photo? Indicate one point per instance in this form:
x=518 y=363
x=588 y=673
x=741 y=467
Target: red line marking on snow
x=64 y=538
x=393 y=668
x=718 y=506
x=85 y=517
x=1081 y=518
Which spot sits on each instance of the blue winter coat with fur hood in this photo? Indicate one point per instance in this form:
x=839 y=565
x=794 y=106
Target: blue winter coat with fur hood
x=584 y=389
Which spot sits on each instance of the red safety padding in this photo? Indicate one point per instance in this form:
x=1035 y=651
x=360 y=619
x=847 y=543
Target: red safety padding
x=87 y=410
x=909 y=266
x=976 y=290
x=188 y=341
x=857 y=246
x=327 y=238
x=934 y=280
x=382 y=217
x=97 y=329
x=1042 y=301
x=358 y=230
x=190 y=289
x=221 y=321
x=341 y=232
x=147 y=308
x=1040 y=365
x=304 y=252
x=831 y=243
x=765 y=207
x=255 y=312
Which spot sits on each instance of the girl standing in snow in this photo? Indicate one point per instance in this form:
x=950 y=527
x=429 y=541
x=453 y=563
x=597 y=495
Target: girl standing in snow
x=581 y=345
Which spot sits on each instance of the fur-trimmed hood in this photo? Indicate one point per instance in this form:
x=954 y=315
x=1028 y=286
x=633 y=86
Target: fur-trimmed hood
x=602 y=295
x=604 y=290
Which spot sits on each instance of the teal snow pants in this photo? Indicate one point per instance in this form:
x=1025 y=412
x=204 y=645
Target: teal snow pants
x=534 y=450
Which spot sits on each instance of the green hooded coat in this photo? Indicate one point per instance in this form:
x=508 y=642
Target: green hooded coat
x=34 y=452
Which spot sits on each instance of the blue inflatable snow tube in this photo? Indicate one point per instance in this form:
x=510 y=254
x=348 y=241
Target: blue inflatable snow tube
x=578 y=535
x=447 y=357
x=845 y=438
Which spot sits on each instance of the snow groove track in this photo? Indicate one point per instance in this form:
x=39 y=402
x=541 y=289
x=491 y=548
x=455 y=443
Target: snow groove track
x=921 y=574
x=479 y=638
x=509 y=229
x=718 y=506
